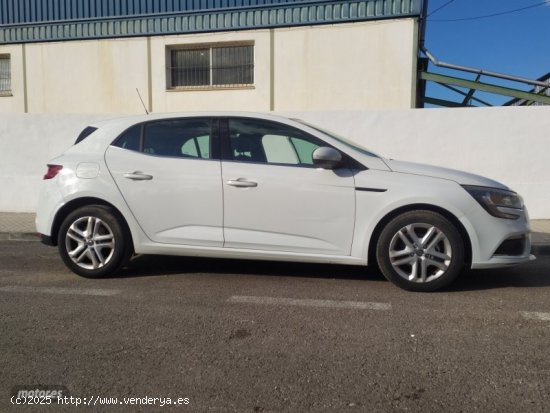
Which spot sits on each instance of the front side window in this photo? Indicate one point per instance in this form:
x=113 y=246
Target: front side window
x=269 y=142
x=215 y=66
x=5 y=75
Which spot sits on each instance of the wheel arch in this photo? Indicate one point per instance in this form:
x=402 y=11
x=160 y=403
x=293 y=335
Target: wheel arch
x=420 y=207
x=74 y=204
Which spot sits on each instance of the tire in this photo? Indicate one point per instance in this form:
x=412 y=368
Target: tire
x=93 y=242
x=420 y=251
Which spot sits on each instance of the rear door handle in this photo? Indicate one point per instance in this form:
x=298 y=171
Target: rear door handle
x=242 y=183
x=138 y=176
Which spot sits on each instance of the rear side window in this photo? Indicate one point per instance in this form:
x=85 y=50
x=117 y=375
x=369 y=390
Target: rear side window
x=85 y=133
x=181 y=138
x=198 y=147
x=130 y=139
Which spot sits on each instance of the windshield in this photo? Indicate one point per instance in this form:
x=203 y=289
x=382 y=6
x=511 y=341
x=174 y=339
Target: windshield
x=340 y=139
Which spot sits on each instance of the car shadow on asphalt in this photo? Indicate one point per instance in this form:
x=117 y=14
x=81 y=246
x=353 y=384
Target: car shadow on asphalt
x=527 y=276
x=535 y=274
x=153 y=265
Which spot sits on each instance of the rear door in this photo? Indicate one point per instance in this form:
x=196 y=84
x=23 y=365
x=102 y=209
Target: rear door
x=169 y=173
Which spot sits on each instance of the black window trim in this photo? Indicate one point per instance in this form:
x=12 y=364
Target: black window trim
x=220 y=146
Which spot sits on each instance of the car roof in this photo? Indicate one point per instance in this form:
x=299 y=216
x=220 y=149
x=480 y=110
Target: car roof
x=127 y=121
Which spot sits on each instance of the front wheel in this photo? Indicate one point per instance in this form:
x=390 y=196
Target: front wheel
x=92 y=242
x=420 y=251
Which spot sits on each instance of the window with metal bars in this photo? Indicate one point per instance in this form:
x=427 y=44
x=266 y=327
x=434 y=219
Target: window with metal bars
x=217 y=66
x=5 y=75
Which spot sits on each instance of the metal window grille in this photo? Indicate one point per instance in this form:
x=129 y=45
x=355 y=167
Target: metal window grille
x=224 y=66
x=5 y=74
x=190 y=67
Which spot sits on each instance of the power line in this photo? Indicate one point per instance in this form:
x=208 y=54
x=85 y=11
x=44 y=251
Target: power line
x=486 y=16
x=439 y=8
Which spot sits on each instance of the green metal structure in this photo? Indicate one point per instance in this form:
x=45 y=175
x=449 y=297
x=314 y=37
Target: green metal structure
x=476 y=85
x=539 y=95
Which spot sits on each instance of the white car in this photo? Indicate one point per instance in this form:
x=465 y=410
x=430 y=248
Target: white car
x=263 y=187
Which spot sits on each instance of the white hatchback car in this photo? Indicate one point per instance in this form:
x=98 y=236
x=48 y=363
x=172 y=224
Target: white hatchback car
x=257 y=186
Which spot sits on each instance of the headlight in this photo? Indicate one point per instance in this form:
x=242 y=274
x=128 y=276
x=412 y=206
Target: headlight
x=497 y=202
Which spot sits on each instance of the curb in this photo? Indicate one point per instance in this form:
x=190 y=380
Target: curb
x=19 y=236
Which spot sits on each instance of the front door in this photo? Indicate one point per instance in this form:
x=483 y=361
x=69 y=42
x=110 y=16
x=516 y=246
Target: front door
x=274 y=197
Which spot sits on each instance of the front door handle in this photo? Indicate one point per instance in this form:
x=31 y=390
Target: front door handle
x=138 y=176
x=242 y=183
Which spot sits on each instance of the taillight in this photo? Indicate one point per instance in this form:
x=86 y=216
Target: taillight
x=53 y=170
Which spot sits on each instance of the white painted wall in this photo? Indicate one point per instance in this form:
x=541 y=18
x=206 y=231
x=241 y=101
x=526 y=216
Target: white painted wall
x=509 y=144
x=27 y=142
x=343 y=66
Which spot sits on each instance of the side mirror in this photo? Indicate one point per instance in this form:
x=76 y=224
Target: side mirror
x=326 y=158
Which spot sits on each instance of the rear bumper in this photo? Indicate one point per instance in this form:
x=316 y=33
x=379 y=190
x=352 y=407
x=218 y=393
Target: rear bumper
x=47 y=240
x=49 y=202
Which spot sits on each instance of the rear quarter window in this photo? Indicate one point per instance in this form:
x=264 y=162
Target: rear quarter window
x=130 y=139
x=85 y=133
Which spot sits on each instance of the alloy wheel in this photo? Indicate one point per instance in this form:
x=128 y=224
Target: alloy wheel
x=420 y=252
x=90 y=242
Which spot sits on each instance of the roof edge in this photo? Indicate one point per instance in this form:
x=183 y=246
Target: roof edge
x=214 y=20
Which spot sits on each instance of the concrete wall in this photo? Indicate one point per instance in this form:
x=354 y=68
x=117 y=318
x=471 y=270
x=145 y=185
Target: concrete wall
x=507 y=144
x=345 y=66
x=27 y=142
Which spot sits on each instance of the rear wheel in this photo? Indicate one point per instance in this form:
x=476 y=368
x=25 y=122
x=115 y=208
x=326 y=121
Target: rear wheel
x=420 y=251
x=92 y=242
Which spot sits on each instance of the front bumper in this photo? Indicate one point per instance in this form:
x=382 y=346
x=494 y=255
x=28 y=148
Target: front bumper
x=503 y=261
x=500 y=242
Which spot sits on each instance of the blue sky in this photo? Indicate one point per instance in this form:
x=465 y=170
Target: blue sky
x=516 y=43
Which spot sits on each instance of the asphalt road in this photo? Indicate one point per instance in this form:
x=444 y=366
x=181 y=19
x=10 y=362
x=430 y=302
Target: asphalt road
x=261 y=336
